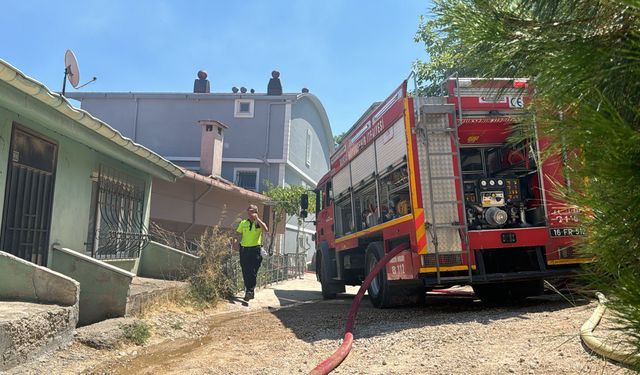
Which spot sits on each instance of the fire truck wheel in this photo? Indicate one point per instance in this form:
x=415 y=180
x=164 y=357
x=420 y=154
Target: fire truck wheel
x=491 y=293
x=508 y=291
x=524 y=289
x=327 y=292
x=379 y=291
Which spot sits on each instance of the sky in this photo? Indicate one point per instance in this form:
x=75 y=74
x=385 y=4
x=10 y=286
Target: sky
x=349 y=53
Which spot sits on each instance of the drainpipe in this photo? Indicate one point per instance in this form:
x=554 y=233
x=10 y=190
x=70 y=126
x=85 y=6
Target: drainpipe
x=267 y=142
x=135 y=122
x=193 y=214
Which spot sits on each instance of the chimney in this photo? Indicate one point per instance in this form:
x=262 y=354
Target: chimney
x=211 y=144
x=201 y=85
x=274 y=87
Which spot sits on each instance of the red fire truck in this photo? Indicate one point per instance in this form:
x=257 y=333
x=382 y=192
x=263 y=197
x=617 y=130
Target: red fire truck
x=444 y=176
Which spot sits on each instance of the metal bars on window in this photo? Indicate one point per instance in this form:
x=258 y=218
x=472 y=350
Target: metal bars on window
x=116 y=229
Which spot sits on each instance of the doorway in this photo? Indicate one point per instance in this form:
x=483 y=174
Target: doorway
x=28 y=197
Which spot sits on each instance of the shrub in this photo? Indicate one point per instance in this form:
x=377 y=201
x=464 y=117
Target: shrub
x=212 y=281
x=137 y=332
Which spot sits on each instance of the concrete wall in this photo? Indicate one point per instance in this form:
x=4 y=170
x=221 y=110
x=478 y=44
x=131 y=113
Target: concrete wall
x=30 y=330
x=129 y=265
x=38 y=310
x=104 y=288
x=163 y=262
x=24 y=281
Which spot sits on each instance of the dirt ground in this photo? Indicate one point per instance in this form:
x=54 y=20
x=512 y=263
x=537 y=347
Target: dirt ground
x=288 y=329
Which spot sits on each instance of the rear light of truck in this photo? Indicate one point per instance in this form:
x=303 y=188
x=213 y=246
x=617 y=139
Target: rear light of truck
x=520 y=84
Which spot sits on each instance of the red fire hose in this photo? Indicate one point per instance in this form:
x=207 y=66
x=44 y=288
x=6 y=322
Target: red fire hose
x=339 y=355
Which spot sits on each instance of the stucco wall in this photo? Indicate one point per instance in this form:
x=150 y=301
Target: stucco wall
x=5 y=142
x=174 y=202
x=267 y=172
x=161 y=119
x=305 y=116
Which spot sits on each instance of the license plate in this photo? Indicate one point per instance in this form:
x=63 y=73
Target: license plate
x=565 y=232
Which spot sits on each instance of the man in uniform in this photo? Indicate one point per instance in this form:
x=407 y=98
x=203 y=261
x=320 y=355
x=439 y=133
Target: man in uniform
x=250 y=245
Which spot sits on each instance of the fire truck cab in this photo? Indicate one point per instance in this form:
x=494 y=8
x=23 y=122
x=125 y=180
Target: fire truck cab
x=460 y=182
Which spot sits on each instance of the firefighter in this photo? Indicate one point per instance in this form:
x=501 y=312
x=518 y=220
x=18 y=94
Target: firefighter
x=250 y=230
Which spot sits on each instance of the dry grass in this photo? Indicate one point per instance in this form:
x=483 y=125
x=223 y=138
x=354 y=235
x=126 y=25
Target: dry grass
x=212 y=282
x=214 y=279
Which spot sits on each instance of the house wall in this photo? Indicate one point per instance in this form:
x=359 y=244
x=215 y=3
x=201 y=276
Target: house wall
x=173 y=203
x=305 y=117
x=158 y=120
x=266 y=172
x=72 y=189
x=5 y=144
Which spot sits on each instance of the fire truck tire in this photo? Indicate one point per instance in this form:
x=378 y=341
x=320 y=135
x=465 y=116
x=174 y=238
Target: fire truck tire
x=383 y=293
x=327 y=289
x=380 y=292
x=508 y=291
x=524 y=289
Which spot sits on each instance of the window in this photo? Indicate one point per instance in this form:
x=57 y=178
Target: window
x=328 y=196
x=308 y=150
x=116 y=225
x=244 y=108
x=246 y=178
x=344 y=215
x=394 y=194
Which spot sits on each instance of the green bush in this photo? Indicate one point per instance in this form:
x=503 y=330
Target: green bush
x=137 y=333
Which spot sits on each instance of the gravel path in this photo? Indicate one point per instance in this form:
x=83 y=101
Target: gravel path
x=288 y=330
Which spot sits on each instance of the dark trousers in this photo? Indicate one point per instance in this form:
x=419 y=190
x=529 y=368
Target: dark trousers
x=250 y=260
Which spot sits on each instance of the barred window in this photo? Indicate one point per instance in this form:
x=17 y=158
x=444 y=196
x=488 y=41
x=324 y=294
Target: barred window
x=116 y=224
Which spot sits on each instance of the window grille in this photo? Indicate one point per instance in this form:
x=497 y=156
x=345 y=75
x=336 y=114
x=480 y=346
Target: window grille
x=116 y=226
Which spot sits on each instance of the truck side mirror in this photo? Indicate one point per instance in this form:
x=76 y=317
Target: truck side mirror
x=304 y=201
x=318 y=193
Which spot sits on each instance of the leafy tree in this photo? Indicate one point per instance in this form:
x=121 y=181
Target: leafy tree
x=285 y=202
x=337 y=138
x=583 y=58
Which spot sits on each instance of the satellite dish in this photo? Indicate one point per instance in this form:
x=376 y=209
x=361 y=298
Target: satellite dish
x=71 y=72
x=71 y=68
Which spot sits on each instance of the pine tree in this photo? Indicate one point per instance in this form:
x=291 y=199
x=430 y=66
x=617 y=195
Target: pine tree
x=583 y=58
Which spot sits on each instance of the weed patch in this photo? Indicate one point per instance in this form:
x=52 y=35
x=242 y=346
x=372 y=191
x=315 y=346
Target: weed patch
x=137 y=333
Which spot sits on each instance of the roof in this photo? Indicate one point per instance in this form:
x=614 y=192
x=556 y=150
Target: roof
x=147 y=160
x=223 y=184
